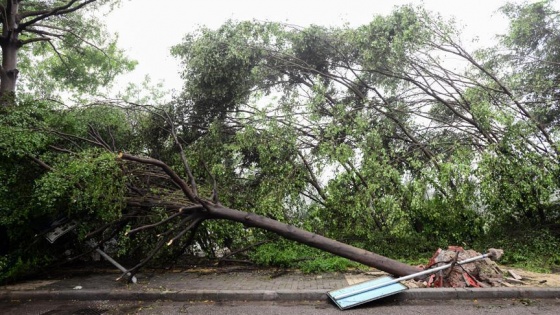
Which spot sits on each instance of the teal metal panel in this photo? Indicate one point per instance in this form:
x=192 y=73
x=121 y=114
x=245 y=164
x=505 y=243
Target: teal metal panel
x=378 y=292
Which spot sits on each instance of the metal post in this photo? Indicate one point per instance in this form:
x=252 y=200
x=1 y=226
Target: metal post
x=114 y=262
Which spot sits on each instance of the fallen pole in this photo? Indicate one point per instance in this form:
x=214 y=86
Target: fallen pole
x=116 y=264
x=493 y=254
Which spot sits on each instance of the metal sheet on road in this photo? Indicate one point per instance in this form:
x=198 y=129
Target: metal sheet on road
x=367 y=296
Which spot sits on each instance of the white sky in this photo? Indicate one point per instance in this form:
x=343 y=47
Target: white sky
x=148 y=34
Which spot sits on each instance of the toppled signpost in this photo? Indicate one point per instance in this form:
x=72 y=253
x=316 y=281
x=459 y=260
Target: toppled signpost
x=446 y=268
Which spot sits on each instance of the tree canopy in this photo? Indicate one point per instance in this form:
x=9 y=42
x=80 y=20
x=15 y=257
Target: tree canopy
x=57 y=39
x=388 y=131
x=390 y=136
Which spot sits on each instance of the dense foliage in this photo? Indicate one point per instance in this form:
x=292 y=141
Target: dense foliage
x=389 y=136
x=374 y=137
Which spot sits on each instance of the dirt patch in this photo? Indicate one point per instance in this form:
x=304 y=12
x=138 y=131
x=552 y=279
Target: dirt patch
x=528 y=279
x=534 y=279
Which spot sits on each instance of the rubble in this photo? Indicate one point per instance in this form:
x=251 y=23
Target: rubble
x=480 y=274
x=514 y=275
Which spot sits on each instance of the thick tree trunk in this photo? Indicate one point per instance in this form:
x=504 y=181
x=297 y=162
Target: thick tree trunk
x=10 y=43
x=8 y=74
x=314 y=240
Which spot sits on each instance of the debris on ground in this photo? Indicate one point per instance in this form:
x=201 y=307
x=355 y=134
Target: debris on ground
x=514 y=275
x=479 y=274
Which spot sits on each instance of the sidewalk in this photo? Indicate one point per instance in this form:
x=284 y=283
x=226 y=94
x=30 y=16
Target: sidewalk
x=254 y=285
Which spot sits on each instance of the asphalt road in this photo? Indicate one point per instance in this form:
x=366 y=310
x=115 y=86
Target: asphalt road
x=454 y=307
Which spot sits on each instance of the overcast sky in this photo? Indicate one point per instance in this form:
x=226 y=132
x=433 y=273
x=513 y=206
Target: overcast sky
x=147 y=29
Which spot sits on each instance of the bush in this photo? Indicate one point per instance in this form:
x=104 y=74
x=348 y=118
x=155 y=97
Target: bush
x=327 y=264
x=287 y=254
x=535 y=250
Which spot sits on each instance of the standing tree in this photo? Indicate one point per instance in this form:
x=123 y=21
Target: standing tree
x=49 y=46
x=66 y=30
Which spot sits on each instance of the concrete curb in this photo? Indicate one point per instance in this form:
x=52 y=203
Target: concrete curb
x=275 y=295
x=485 y=293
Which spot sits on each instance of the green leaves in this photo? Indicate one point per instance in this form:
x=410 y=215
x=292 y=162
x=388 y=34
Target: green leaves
x=530 y=51
x=88 y=68
x=77 y=56
x=366 y=135
x=219 y=69
x=388 y=40
x=89 y=186
x=50 y=167
x=291 y=255
x=518 y=186
x=19 y=125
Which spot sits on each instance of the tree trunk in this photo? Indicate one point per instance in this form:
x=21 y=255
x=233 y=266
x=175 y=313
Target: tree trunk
x=8 y=74
x=10 y=44
x=210 y=210
x=311 y=239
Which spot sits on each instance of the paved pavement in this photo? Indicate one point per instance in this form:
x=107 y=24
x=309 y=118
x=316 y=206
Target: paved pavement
x=217 y=285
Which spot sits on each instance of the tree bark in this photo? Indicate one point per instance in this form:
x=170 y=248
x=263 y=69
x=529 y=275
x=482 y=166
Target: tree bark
x=15 y=20
x=9 y=42
x=311 y=239
x=8 y=74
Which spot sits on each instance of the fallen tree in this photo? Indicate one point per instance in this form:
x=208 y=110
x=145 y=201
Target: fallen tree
x=194 y=210
x=393 y=129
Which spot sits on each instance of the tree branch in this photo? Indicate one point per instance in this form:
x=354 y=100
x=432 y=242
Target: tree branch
x=41 y=163
x=174 y=177
x=171 y=217
x=194 y=223
x=40 y=15
x=215 y=211
x=182 y=154
x=33 y=40
x=313 y=181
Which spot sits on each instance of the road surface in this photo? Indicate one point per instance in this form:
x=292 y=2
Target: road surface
x=454 y=307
